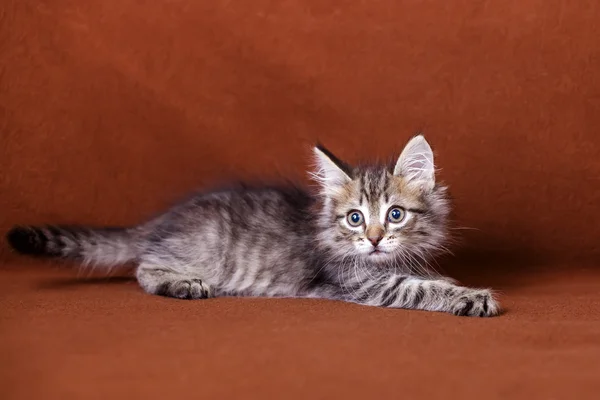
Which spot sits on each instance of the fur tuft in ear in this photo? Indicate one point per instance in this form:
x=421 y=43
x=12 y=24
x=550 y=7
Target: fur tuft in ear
x=416 y=163
x=331 y=172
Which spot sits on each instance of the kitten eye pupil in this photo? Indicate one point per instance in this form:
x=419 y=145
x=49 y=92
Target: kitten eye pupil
x=396 y=214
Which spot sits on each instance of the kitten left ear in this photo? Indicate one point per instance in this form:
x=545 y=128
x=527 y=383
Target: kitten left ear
x=416 y=163
x=332 y=173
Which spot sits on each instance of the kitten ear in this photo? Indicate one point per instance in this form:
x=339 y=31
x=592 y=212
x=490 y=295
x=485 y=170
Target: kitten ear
x=331 y=172
x=416 y=163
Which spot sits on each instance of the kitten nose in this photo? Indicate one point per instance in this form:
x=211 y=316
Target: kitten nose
x=375 y=234
x=374 y=240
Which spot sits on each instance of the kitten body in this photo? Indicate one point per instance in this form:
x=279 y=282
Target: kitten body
x=365 y=237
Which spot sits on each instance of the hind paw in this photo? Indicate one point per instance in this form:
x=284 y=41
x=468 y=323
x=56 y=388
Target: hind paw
x=184 y=289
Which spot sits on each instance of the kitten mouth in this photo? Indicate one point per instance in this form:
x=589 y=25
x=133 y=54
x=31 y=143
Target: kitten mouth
x=376 y=252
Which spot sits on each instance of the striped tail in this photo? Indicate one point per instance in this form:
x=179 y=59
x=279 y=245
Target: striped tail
x=97 y=246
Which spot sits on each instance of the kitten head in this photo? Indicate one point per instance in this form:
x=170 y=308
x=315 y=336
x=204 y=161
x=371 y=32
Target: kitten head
x=392 y=215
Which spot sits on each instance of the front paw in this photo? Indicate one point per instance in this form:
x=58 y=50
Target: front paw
x=476 y=303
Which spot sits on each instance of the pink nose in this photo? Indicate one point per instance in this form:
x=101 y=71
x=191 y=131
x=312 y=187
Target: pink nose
x=375 y=233
x=375 y=240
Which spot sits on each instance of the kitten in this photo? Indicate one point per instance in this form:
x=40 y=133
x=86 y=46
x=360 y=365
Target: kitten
x=363 y=237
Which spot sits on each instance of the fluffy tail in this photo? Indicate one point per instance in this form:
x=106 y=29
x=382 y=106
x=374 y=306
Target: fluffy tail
x=98 y=246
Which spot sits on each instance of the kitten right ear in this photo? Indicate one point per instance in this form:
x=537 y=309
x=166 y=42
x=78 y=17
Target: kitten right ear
x=332 y=173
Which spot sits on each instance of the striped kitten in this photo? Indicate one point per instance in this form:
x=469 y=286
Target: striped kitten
x=363 y=238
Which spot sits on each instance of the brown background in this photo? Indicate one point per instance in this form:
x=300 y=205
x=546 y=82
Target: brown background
x=111 y=110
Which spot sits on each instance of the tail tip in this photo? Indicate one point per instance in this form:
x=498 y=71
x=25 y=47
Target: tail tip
x=26 y=240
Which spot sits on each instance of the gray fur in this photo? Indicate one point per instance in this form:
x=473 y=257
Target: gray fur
x=286 y=242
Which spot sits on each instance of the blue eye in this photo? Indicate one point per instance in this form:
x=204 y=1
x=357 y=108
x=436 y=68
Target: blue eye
x=355 y=218
x=396 y=214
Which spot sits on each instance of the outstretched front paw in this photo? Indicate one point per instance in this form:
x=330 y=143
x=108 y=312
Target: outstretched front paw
x=476 y=303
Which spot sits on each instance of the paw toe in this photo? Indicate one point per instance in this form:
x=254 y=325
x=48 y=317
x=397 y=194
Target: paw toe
x=199 y=290
x=181 y=289
x=463 y=306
